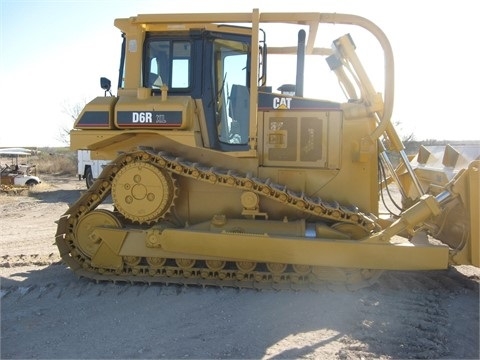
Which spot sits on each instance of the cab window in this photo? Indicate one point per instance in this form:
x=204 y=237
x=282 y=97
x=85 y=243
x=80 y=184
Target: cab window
x=167 y=62
x=232 y=94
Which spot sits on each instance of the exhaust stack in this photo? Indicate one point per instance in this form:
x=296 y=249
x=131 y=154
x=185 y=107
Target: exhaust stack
x=300 y=63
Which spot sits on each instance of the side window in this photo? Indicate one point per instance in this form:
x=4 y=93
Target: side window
x=181 y=64
x=157 y=66
x=232 y=94
x=167 y=62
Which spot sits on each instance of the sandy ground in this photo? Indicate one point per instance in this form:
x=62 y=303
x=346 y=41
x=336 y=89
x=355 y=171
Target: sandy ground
x=47 y=312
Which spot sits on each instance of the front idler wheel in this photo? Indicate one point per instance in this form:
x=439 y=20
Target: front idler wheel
x=85 y=238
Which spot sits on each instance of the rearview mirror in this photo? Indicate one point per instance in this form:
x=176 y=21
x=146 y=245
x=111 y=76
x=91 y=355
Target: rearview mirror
x=105 y=83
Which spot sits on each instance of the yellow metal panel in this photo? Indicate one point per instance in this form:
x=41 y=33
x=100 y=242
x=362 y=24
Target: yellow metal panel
x=290 y=250
x=308 y=252
x=104 y=105
x=108 y=142
x=474 y=199
x=474 y=210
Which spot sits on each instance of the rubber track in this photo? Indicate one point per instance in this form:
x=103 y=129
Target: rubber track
x=203 y=276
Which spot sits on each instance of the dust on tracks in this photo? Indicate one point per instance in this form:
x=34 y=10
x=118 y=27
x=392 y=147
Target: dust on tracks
x=436 y=282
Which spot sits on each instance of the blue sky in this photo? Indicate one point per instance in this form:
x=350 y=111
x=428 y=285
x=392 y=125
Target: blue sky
x=52 y=54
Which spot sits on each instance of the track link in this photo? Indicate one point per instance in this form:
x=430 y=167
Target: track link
x=199 y=272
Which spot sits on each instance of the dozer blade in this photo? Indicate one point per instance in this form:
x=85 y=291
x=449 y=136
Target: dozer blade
x=454 y=171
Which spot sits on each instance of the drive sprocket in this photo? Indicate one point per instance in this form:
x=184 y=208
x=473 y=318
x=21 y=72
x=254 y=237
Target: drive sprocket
x=142 y=192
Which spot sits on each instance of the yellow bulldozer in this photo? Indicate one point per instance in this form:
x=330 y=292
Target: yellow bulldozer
x=216 y=178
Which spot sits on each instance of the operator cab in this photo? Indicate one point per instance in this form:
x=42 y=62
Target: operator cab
x=222 y=84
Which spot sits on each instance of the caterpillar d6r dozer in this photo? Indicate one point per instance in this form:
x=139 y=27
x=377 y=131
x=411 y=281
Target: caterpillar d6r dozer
x=216 y=179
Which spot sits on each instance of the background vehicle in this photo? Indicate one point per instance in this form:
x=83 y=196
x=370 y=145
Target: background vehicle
x=88 y=168
x=217 y=179
x=19 y=172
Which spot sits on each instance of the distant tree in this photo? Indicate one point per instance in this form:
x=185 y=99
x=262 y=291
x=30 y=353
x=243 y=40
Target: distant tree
x=408 y=138
x=73 y=111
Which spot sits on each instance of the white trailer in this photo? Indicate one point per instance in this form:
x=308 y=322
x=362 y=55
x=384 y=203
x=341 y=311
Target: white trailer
x=89 y=169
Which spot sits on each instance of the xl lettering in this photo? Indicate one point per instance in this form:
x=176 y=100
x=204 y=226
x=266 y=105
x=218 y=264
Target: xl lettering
x=141 y=117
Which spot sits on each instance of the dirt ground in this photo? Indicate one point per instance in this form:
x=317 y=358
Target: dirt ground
x=47 y=312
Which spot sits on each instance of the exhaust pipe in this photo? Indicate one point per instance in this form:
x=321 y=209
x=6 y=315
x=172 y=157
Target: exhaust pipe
x=300 y=63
